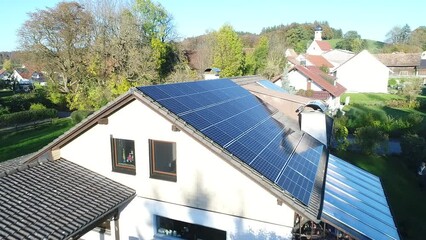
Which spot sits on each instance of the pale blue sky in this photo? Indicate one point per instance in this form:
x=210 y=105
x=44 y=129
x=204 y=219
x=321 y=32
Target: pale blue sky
x=372 y=19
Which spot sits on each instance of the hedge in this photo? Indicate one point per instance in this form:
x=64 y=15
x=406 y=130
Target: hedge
x=11 y=119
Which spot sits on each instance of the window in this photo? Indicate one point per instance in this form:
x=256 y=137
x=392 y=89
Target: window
x=162 y=156
x=123 y=155
x=183 y=230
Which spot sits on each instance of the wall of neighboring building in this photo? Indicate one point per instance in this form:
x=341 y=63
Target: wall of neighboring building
x=314 y=49
x=208 y=190
x=363 y=73
x=299 y=81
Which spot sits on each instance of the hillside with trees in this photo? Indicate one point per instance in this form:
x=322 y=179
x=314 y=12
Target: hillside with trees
x=92 y=51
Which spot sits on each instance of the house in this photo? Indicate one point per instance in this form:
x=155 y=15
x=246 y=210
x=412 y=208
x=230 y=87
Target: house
x=208 y=159
x=322 y=85
x=21 y=74
x=318 y=46
x=363 y=73
x=337 y=56
x=401 y=64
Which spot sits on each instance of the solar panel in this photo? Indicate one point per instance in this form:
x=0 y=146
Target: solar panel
x=236 y=120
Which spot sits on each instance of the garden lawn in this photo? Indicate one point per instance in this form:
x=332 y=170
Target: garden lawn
x=18 y=143
x=406 y=199
x=376 y=102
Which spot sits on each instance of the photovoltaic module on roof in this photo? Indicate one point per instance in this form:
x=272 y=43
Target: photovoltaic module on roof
x=239 y=122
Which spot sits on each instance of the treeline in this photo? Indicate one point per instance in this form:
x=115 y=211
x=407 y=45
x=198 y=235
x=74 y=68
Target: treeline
x=92 y=51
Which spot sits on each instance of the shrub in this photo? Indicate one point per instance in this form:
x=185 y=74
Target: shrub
x=413 y=148
x=79 y=115
x=37 y=106
x=12 y=119
x=370 y=139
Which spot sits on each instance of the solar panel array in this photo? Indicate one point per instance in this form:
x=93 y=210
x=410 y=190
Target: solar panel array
x=236 y=120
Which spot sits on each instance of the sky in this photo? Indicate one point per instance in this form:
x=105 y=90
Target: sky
x=372 y=19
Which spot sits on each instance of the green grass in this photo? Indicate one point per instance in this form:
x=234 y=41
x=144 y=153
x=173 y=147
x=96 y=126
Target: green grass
x=370 y=98
x=372 y=46
x=376 y=102
x=18 y=143
x=407 y=201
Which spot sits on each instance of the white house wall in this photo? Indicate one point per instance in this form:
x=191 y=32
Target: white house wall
x=299 y=81
x=204 y=180
x=314 y=49
x=363 y=73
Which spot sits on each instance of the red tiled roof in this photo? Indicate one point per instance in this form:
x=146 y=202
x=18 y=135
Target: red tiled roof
x=325 y=46
x=318 y=77
x=25 y=73
x=318 y=61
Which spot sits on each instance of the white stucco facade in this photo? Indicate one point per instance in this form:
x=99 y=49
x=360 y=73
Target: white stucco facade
x=300 y=82
x=363 y=73
x=208 y=191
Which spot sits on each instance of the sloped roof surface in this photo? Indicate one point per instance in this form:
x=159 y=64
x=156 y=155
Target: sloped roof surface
x=354 y=201
x=316 y=75
x=56 y=200
x=325 y=46
x=318 y=61
x=270 y=85
x=248 y=129
x=399 y=59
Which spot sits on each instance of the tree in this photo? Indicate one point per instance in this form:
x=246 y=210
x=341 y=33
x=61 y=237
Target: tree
x=7 y=65
x=352 y=41
x=228 y=52
x=370 y=138
x=411 y=89
x=340 y=133
x=418 y=37
x=413 y=148
x=60 y=37
x=256 y=61
x=399 y=35
x=156 y=21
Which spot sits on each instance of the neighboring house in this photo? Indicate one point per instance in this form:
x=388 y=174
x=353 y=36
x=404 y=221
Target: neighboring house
x=39 y=78
x=323 y=86
x=401 y=64
x=363 y=73
x=318 y=46
x=21 y=74
x=208 y=160
x=337 y=57
x=317 y=61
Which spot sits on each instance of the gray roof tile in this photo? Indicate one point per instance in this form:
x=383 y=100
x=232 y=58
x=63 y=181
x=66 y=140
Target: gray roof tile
x=55 y=200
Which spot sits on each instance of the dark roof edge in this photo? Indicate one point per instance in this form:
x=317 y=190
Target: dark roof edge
x=85 y=125
x=114 y=213
x=233 y=161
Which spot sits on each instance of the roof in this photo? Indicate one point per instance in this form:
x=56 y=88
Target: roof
x=365 y=54
x=399 y=59
x=354 y=201
x=337 y=56
x=56 y=200
x=24 y=73
x=316 y=75
x=318 y=61
x=324 y=45
x=270 y=85
x=275 y=118
x=257 y=138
